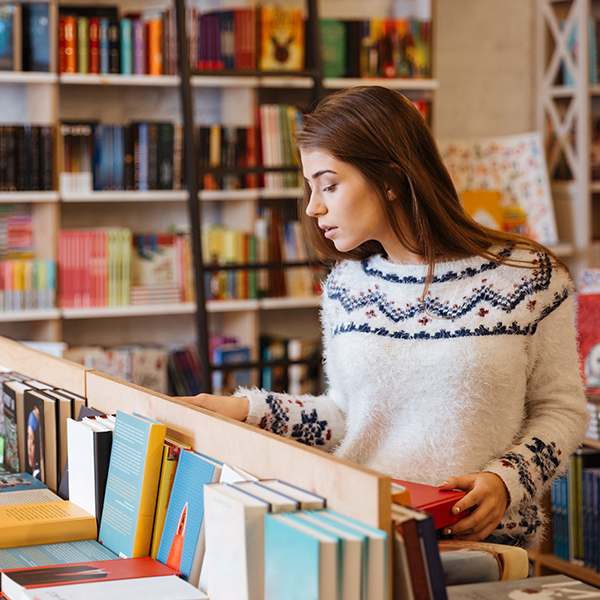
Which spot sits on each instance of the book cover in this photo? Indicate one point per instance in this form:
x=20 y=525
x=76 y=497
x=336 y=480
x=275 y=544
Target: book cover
x=234 y=542
x=300 y=562
x=350 y=554
x=140 y=588
x=333 y=47
x=548 y=586
x=89 y=447
x=225 y=382
x=60 y=553
x=83 y=44
x=126 y=36
x=281 y=39
x=23 y=488
x=36 y=36
x=21 y=582
x=14 y=426
x=182 y=544
x=588 y=318
x=170 y=459
x=132 y=485
x=44 y=523
x=375 y=552
x=40 y=423
x=430 y=499
x=10 y=37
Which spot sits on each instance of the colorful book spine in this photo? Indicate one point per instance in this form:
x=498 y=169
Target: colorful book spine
x=126 y=47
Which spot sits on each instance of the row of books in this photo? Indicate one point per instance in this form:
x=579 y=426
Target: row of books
x=27 y=284
x=25 y=36
x=575 y=510
x=376 y=48
x=16 y=231
x=97 y=41
x=274 y=241
x=138 y=156
x=114 y=267
x=26 y=157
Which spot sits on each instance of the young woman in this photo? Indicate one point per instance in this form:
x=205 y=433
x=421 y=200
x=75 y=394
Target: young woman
x=449 y=348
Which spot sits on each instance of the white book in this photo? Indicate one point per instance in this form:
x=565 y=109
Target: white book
x=279 y=502
x=308 y=500
x=234 y=543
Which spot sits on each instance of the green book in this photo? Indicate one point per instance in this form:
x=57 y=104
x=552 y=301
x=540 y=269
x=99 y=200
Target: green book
x=83 y=45
x=333 y=47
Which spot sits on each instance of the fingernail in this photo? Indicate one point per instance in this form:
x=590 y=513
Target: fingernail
x=443 y=484
x=447 y=531
x=455 y=510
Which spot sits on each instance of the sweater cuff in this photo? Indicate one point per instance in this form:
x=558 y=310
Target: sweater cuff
x=256 y=409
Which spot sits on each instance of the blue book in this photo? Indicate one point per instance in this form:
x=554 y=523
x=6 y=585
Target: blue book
x=225 y=382
x=20 y=482
x=143 y=156
x=62 y=553
x=36 y=36
x=376 y=554
x=132 y=485
x=300 y=561
x=103 y=46
x=350 y=554
x=593 y=51
x=118 y=158
x=182 y=542
x=126 y=47
x=10 y=49
x=99 y=157
x=107 y=142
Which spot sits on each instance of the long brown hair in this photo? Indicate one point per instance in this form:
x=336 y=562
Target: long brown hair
x=381 y=133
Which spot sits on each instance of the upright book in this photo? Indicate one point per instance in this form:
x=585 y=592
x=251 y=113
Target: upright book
x=132 y=484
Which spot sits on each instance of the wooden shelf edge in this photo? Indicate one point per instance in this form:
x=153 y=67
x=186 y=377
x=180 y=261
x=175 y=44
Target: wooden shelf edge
x=22 y=316
x=144 y=310
x=549 y=561
x=119 y=80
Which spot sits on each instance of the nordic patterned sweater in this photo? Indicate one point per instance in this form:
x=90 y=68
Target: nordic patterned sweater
x=484 y=378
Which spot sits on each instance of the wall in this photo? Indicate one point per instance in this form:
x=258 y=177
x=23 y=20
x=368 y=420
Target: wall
x=485 y=66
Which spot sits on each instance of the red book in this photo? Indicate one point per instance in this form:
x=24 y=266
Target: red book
x=588 y=328
x=15 y=581
x=94 y=45
x=436 y=502
x=62 y=58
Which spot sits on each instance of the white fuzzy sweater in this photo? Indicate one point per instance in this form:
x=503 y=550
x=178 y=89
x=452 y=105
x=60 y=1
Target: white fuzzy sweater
x=485 y=378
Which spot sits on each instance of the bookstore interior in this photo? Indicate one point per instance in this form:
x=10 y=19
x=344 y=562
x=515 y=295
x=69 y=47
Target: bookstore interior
x=151 y=248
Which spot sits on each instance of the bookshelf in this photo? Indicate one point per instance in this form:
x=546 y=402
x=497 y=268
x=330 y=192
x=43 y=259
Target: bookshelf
x=232 y=98
x=563 y=112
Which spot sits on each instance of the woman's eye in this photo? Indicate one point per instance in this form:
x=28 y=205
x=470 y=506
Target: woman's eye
x=330 y=188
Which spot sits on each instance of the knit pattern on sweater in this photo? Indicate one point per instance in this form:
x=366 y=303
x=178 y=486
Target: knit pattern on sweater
x=479 y=375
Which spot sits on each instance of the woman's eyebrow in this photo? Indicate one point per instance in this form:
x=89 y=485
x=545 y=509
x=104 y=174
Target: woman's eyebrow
x=319 y=173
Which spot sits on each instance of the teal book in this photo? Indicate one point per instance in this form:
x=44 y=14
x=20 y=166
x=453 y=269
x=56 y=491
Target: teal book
x=375 y=556
x=300 y=562
x=132 y=485
x=182 y=543
x=349 y=554
x=126 y=47
x=62 y=553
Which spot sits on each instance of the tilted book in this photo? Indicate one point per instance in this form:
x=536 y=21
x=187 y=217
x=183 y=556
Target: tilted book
x=132 y=485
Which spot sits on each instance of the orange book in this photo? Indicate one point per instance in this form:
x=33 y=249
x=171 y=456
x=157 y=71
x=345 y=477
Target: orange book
x=282 y=44
x=70 y=44
x=155 y=44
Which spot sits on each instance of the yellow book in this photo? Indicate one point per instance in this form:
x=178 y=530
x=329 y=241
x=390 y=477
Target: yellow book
x=484 y=206
x=44 y=523
x=282 y=44
x=170 y=458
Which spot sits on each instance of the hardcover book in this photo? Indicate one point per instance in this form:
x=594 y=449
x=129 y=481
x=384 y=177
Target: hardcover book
x=281 y=39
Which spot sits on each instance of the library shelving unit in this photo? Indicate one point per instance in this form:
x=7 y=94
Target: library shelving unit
x=565 y=102
x=241 y=93
x=49 y=98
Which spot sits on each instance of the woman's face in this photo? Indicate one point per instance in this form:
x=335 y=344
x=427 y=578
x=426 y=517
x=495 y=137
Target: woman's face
x=347 y=207
x=31 y=447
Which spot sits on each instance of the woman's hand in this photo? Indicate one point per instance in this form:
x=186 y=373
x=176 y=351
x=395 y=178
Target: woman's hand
x=234 y=407
x=488 y=494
